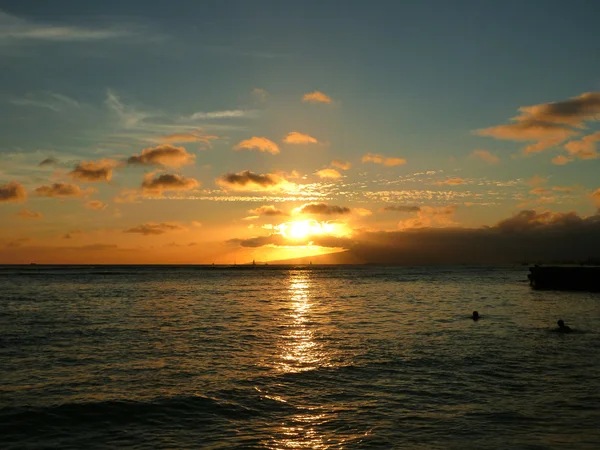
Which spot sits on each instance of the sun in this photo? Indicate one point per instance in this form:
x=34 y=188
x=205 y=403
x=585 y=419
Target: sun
x=299 y=230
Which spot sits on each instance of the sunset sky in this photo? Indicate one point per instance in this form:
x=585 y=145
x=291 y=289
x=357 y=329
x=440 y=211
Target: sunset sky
x=227 y=131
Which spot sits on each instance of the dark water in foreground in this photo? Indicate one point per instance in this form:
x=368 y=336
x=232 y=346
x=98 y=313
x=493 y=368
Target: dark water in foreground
x=341 y=357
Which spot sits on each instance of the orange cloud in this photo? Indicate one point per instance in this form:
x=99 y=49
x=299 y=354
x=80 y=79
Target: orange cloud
x=154 y=229
x=429 y=216
x=540 y=191
x=188 y=137
x=250 y=181
x=13 y=192
x=528 y=130
x=584 y=148
x=401 y=208
x=167 y=182
x=573 y=111
x=344 y=165
x=165 y=155
x=596 y=197
x=322 y=209
x=293 y=137
x=485 y=156
x=452 y=181
x=261 y=144
x=536 y=180
x=269 y=211
x=26 y=214
x=561 y=160
x=316 y=97
x=96 y=204
x=62 y=190
x=92 y=171
x=329 y=173
x=380 y=159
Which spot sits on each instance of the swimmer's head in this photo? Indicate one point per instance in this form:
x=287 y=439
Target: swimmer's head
x=475 y=315
x=561 y=323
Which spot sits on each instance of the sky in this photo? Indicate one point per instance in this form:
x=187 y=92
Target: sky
x=230 y=131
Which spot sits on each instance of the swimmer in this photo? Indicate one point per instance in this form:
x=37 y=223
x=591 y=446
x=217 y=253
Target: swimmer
x=562 y=327
x=475 y=316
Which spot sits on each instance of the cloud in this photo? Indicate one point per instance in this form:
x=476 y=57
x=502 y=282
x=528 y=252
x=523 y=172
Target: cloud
x=573 y=111
x=129 y=116
x=250 y=181
x=50 y=161
x=452 y=181
x=96 y=205
x=380 y=159
x=584 y=148
x=165 y=155
x=561 y=160
x=93 y=171
x=344 y=165
x=17 y=242
x=61 y=190
x=596 y=197
x=15 y=29
x=293 y=137
x=12 y=192
x=429 y=216
x=323 y=209
x=316 y=97
x=549 y=123
x=401 y=208
x=154 y=229
x=540 y=191
x=48 y=100
x=260 y=95
x=329 y=173
x=261 y=144
x=227 y=114
x=168 y=182
x=194 y=136
x=536 y=180
x=269 y=211
x=27 y=214
x=485 y=156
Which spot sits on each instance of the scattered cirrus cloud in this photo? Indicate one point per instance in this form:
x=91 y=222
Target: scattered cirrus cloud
x=62 y=190
x=316 y=97
x=250 y=181
x=484 y=155
x=261 y=144
x=155 y=229
x=48 y=100
x=193 y=136
x=383 y=160
x=344 y=165
x=167 y=182
x=27 y=214
x=225 y=114
x=165 y=155
x=293 y=137
x=93 y=171
x=13 y=192
x=329 y=174
x=322 y=209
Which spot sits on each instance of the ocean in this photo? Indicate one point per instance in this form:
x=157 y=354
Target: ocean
x=294 y=357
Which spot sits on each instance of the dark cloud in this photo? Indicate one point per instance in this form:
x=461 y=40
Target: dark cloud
x=323 y=209
x=51 y=161
x=154 y=229
x=526 y=236
x=168 y=182
x=13 y=192
x=269 y=211
x=573 y=111
x=401 y=208
x=250 y=181
x=60 y=190
x=92 y=171
x=165 y=155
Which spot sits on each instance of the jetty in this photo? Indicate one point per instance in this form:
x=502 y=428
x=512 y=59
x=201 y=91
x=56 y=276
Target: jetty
x=568 y=278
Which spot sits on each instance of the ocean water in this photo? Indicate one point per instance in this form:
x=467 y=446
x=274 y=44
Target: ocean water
x=303 y=357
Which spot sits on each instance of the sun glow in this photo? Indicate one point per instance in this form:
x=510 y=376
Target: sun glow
x=302 y=229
